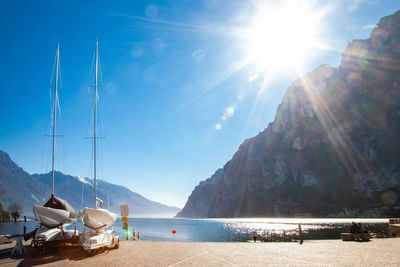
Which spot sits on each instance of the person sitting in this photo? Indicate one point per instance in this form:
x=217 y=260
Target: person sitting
x=360 y=228
x=254 y=237
x=353 y=228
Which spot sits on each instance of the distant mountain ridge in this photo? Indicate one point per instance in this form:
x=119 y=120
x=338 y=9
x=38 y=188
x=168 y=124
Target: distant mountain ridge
x=333 y=148
x=30 y=190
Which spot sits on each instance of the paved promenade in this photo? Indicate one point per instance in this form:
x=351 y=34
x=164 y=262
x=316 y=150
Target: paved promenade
x=378 y=252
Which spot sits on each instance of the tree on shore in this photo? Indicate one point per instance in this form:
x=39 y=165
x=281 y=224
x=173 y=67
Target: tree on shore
x=4 y=215
x=15 y=210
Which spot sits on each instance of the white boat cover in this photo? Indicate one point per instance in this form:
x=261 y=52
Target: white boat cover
x=50 y=217
x=97 y=219
x=55 y=212
x=59 y=203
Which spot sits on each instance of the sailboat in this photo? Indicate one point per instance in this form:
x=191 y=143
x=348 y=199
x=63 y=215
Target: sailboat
x=97 y=218
x=56 y=212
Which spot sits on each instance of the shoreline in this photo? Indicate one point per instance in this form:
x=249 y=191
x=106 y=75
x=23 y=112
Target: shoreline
x=377 y=252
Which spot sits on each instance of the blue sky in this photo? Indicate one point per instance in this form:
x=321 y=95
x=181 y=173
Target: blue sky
x=175 y=101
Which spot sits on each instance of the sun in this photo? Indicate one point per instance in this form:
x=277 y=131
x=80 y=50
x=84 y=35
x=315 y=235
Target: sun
x=282 y=35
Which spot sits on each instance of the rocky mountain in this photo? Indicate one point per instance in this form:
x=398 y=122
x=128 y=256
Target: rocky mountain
x=198 y=202
x=16 y=184
x=28 y=190
x=333 y=148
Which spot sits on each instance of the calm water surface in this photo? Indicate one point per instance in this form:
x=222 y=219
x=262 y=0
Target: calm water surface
x=222 y=230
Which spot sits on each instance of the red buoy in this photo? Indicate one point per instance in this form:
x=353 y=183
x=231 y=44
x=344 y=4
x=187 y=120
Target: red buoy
x=174 y=231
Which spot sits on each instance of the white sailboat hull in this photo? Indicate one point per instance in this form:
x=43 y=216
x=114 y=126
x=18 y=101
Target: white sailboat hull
x=48 y=235
x=50 y=217
x=44 y=235
x=97 y=219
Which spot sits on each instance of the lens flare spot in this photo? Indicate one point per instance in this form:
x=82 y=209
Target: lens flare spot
x=149 y=74
x=218 y=126
x=298 y=143
x=229 y=111
x=136 y=52
x=151 y=11
x=157 y=44
x=393 y=97
x=253 y=77
x=111 y=87
x=389 y=198
x=199 y=55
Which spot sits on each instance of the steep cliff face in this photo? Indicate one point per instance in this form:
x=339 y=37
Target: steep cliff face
x=198 y=203
x=333 y=148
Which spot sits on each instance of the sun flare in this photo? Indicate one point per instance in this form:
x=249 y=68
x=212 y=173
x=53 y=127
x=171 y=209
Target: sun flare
x=282 y=35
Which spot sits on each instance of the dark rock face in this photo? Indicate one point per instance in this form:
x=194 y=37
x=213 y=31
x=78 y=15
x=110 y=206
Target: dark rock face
x=29 y=190
x=200 y=200
x=333 y=148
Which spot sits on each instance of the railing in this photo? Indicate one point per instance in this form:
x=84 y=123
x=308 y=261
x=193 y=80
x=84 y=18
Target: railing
x=131 y=234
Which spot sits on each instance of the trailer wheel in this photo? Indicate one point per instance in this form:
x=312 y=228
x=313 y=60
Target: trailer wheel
x=92 y=252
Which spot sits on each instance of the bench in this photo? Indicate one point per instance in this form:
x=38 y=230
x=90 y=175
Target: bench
x=356 y=237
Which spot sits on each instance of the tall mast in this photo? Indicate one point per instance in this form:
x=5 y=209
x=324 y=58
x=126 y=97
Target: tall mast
x=95 y=119
x=54 y=119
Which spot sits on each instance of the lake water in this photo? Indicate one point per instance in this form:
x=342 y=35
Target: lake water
x=223 y=230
